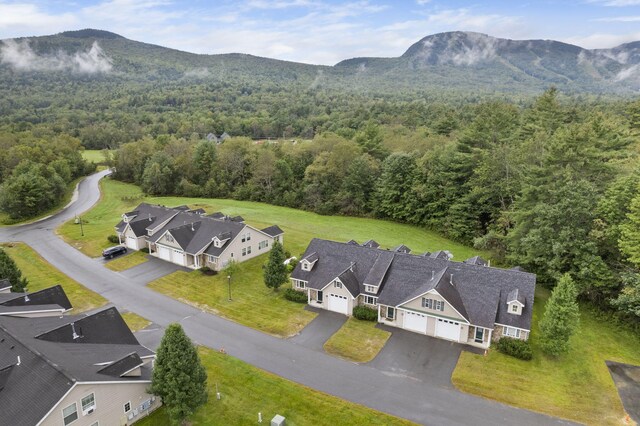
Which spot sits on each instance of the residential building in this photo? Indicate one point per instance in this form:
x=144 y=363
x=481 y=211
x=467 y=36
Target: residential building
x=193 y=239
x=80 y=370
x=467 y=302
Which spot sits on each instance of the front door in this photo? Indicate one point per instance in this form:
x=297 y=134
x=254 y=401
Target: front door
x=479 y=335
x=320 y=296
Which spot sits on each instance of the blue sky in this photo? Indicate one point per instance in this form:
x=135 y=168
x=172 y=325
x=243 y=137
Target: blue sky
x=324 y=31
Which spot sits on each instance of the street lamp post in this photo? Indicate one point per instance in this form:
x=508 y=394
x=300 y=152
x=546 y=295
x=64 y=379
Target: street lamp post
x=229 y=281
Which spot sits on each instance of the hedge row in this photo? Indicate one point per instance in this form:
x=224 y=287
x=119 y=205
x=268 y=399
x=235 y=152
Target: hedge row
x=515 y=347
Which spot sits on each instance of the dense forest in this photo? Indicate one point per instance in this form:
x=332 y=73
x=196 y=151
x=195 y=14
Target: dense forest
x=553 y=187
x=36 y=168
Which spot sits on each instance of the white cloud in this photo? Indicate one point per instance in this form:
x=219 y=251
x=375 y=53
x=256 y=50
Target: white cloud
x=619 y=19
x=21 y=57
x=422 y=2
x=602 y=41
x=616 y=3
x=627 y=73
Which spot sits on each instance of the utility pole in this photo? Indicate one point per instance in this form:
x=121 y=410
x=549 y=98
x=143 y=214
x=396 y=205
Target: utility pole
x=229 y=280
x=81 y=228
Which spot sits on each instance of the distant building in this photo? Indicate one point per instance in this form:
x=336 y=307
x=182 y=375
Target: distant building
x=211 y=137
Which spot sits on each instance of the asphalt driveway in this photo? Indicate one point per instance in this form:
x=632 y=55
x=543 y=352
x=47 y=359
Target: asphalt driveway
x=320 y=329
x=627 y=380
x=151 y=270
x=416 y=356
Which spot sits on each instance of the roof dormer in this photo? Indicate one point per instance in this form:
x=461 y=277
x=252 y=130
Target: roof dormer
x=221 y=239
x=515 y=302
x=308 y=262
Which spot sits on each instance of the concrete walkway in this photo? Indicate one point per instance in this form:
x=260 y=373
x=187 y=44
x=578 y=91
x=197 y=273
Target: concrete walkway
x=415 y=400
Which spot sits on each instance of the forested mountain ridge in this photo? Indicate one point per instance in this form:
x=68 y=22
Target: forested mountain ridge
x=462 y=60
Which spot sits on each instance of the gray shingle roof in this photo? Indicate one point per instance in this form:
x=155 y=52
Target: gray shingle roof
x=350 y=281
x=273 y=231
x=371 y=244
x=401 y=249
x=440 y=254
x=12 y=310
x=477 y=293
x=49 y=296
x=122 y=366
x=49 y=367
x=353 y=242
x=379 y=269
x=476 y=260
x=4 y=283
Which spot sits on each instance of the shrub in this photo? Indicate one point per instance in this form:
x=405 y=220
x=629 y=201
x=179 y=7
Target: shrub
x=208 y=271
x=515 y=347
x=295 y=296
x=145 y=249
x=113 y=239
x=365 y=313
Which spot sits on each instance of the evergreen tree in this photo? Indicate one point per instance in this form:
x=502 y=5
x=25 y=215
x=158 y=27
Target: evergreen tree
x=561 y=317
x=370 y=139
x=394 y=195
x=628 y=301
x=178 y=375
x=275 y=271
x=9 y=270
x=630 y=233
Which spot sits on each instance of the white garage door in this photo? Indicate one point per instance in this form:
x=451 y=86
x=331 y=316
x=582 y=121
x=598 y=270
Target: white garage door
x=415 y=322
x=164 y=253
x=178 y=257
x=449 y=330
x=338 y=303
x=132 y=243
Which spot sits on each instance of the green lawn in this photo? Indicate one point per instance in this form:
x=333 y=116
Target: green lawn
x=252 y=304
x=128 y=261
x=357 y=340
x=93 y=155
x=135 y=321
x=299 y=226
x=41 y=274
x=247 y=390
x=577 y=386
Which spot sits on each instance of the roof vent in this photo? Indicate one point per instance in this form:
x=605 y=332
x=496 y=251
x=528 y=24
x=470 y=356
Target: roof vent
x=26 y=298
x=192 y=230
x=19 y=361
x=351 y=266
x=433 y=274
x=451 y=280
x=73 y=330
x=149 y=217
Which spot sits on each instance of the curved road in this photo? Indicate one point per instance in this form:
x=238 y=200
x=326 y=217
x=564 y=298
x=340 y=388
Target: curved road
x=404 y=397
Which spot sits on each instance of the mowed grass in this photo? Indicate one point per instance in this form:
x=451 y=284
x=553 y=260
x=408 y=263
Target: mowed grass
x=100 y=222
x=357 y=340
x=252 y=304
x=135 y=321
x=93 y=155
x=577 y=386
x=247 y=390
x=41 y=274
x=299 y=226
x=128 y=261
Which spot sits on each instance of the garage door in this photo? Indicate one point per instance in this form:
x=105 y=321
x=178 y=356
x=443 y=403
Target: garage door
x=178 y=257
x=449 y=330
x=338 y=303
x=132 y=243
x=415 y=322
x=164 y=253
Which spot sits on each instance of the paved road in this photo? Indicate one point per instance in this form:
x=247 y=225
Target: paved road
x=412 y=399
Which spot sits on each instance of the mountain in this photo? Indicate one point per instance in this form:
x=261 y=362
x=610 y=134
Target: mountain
x=453 y=61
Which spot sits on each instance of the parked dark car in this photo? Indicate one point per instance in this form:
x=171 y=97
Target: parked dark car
x=113 y=251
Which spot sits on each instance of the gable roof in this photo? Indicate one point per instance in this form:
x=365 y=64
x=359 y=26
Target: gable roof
x=440 y=254
x=476 y=260
x=273 y=230
x=479 y=294
x=401 y=249
x=48 y=368
x=49 y=296
x=348 y=278
x=515 y=296
x=371 y=244
x=353 y=242
x=123 y=365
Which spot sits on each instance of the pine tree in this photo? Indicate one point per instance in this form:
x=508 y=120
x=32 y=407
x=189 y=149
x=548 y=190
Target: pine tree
x=9 y=270
x=275 y=271
x=178 y=375
x=561 y=317
x=629 y=242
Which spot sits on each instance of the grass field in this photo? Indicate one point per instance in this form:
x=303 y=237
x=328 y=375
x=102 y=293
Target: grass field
x=134 y=321
x=128 y=261
x=93 y=156
x=299 y=226
x=577 y=386
x=41 y=274
x=252 y=304
x=357 y=340
x=247 y=390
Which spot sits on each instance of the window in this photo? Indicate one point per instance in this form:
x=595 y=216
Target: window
x=437 y=305
x=127 y=407
x=514 y=308
x=511 y=332
x=370 y=300
x=246 y=237
x=276 y=238
x=263 y=244
x=231 y=255
x=305 y=265
x=70 y=414
x=88 y=402
x=246 y=251
x=300 y=284
x=337 y=284
x=212 y=259
x=391 y=312
x=369 y=289
x=320 y=294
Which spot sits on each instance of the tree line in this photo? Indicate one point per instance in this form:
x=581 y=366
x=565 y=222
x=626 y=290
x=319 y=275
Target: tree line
x=552 y=187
